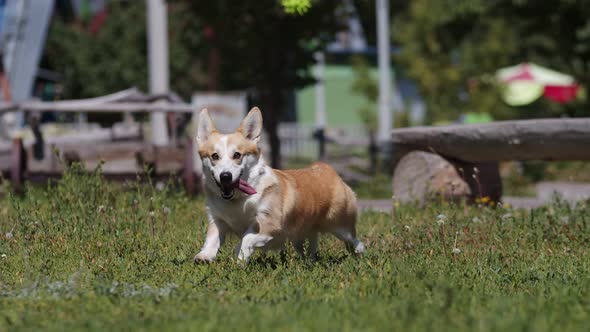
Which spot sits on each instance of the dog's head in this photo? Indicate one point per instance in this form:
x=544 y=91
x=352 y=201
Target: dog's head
x=229 y=158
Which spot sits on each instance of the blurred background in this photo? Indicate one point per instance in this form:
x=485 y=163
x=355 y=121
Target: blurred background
x=119 y=81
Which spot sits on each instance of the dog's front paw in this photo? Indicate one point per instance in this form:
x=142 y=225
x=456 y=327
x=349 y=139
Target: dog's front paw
x=203 y=257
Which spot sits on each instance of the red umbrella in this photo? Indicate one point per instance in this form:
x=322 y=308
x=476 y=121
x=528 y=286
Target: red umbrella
x=526 y=82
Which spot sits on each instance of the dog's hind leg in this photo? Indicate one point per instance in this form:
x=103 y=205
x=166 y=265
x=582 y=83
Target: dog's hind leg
x=313 y=247
x=299 y=247
x=348 y=236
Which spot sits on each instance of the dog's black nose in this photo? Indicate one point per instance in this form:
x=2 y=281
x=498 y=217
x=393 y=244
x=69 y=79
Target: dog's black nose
x=225 y=177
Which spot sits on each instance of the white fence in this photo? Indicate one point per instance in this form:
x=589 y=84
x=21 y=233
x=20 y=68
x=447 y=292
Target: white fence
x=298 y=140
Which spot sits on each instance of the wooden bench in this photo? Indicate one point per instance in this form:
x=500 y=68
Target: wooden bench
x=122 y=147
x=462 y=160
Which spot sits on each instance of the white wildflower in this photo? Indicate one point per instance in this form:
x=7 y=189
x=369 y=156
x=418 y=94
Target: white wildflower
x=456 y=251
x=440 y=219
x=564 y=220
x=166 y=210
x=407 y=228
x=3 y=255
x=476 y=220
x=152 y=213
x=100 y=208
x=8 y=235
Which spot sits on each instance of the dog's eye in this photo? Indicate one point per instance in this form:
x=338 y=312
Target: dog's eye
x=237 y=155
x=215 y=156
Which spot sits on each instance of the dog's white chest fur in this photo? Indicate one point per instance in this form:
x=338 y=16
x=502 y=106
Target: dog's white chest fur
x=240 y=213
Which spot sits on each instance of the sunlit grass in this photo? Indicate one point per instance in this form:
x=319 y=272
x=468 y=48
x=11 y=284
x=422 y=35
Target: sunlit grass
x=85 y=254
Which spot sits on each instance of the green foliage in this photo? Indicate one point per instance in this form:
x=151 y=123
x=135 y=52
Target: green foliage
x=87 y=255
x=259 y=45
x=214 y=45
x=256 y=46
x=365 y=86
x=453 y=48
x=296 y=6
x=93 y=65
x=115 y=57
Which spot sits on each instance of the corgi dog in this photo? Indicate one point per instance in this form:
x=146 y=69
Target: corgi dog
x=266 y=207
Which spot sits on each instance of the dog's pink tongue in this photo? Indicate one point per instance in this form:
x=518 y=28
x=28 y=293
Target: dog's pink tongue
x=246 y=188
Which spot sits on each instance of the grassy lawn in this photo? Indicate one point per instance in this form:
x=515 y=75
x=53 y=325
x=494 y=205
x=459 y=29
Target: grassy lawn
x=86 y=255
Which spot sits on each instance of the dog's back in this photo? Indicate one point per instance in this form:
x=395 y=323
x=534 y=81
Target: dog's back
x=315 y=199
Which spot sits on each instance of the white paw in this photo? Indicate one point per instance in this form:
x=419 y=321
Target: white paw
x=242 y=257
x=203 y=257
x=359 y=248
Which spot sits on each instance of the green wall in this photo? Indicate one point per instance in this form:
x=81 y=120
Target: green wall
x=341 y=103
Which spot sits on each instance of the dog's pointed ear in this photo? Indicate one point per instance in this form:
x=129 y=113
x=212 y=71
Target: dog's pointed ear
x=205 y=127
x=251 y=126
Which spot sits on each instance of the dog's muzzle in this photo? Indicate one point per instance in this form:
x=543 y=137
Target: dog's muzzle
x=226 y=185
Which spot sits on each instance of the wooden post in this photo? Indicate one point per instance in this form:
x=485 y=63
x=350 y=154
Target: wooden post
x=18 y=164
x=189 y=172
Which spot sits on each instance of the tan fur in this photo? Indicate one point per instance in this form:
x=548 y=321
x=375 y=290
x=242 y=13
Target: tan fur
x=290 y=205
x=315 y=199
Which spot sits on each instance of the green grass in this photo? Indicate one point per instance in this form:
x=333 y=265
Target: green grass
x=86 y=255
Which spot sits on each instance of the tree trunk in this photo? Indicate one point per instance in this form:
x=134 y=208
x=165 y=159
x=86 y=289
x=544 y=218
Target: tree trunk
x=274 y=142
x=373 y=152
x=271 y=113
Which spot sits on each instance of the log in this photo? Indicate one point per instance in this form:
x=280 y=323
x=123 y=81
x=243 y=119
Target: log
x=422 y=176
x=126 y=101
x=7 y=107
x=541 y=139
x=118 y=107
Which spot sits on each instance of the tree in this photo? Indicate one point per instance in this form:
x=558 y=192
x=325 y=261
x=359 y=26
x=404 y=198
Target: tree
x=265 y=47
x=366 y=86
x=452 y=49
x=256 y=45
x=99 y=61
